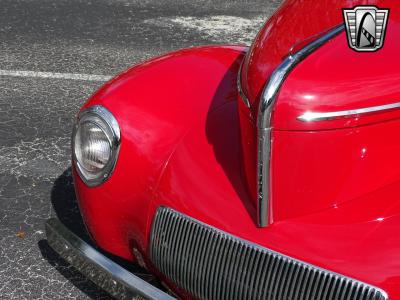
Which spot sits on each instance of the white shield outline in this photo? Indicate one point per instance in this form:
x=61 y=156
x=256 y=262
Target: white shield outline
x=349 y=16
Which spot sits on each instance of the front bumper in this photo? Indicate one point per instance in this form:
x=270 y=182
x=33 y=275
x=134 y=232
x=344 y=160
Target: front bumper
x=107 y=274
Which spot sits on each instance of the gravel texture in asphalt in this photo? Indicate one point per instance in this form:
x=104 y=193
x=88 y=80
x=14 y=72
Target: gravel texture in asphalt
x=101 y=37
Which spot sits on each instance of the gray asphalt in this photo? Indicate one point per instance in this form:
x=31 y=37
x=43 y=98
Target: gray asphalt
x=101 y=37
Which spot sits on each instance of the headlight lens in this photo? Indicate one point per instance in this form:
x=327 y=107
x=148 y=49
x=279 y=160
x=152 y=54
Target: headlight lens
x=92 y=147
x=96 y=142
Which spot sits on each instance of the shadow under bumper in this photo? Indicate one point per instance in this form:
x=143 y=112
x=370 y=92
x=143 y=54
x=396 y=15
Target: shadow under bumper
x=104 y=272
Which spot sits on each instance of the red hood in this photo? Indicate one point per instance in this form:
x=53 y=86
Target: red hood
x=336 y=79
x=295 y=22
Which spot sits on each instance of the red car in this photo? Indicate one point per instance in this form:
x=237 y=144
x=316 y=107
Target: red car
x=269 y=172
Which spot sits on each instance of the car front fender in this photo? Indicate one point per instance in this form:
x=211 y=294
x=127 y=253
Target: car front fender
x=155 y=103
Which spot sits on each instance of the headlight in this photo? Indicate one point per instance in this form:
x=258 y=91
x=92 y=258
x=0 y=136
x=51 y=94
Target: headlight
x=95 y=145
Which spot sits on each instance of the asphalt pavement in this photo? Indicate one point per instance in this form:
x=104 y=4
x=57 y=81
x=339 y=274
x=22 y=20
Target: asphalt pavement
x=53 y=55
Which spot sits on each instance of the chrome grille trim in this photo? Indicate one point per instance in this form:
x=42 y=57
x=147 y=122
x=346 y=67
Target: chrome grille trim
x=211 y=264
x=264 y=124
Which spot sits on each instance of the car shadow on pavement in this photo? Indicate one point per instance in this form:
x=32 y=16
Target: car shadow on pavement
x=71 y=274
x=66 y=208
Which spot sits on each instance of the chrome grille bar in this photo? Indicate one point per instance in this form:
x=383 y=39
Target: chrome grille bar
x=211 y=264
x=264 y=126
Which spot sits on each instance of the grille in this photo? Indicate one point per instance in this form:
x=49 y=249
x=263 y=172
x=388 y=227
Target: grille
x=211 y=264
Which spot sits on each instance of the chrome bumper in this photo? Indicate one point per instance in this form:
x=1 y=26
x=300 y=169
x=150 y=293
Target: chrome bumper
x=107 y=274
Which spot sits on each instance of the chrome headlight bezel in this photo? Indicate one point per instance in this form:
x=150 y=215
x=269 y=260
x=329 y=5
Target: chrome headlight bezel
x=102 y=118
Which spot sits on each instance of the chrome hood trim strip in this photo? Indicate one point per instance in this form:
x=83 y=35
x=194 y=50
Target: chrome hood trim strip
x=311 y=116
x=266 y=107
